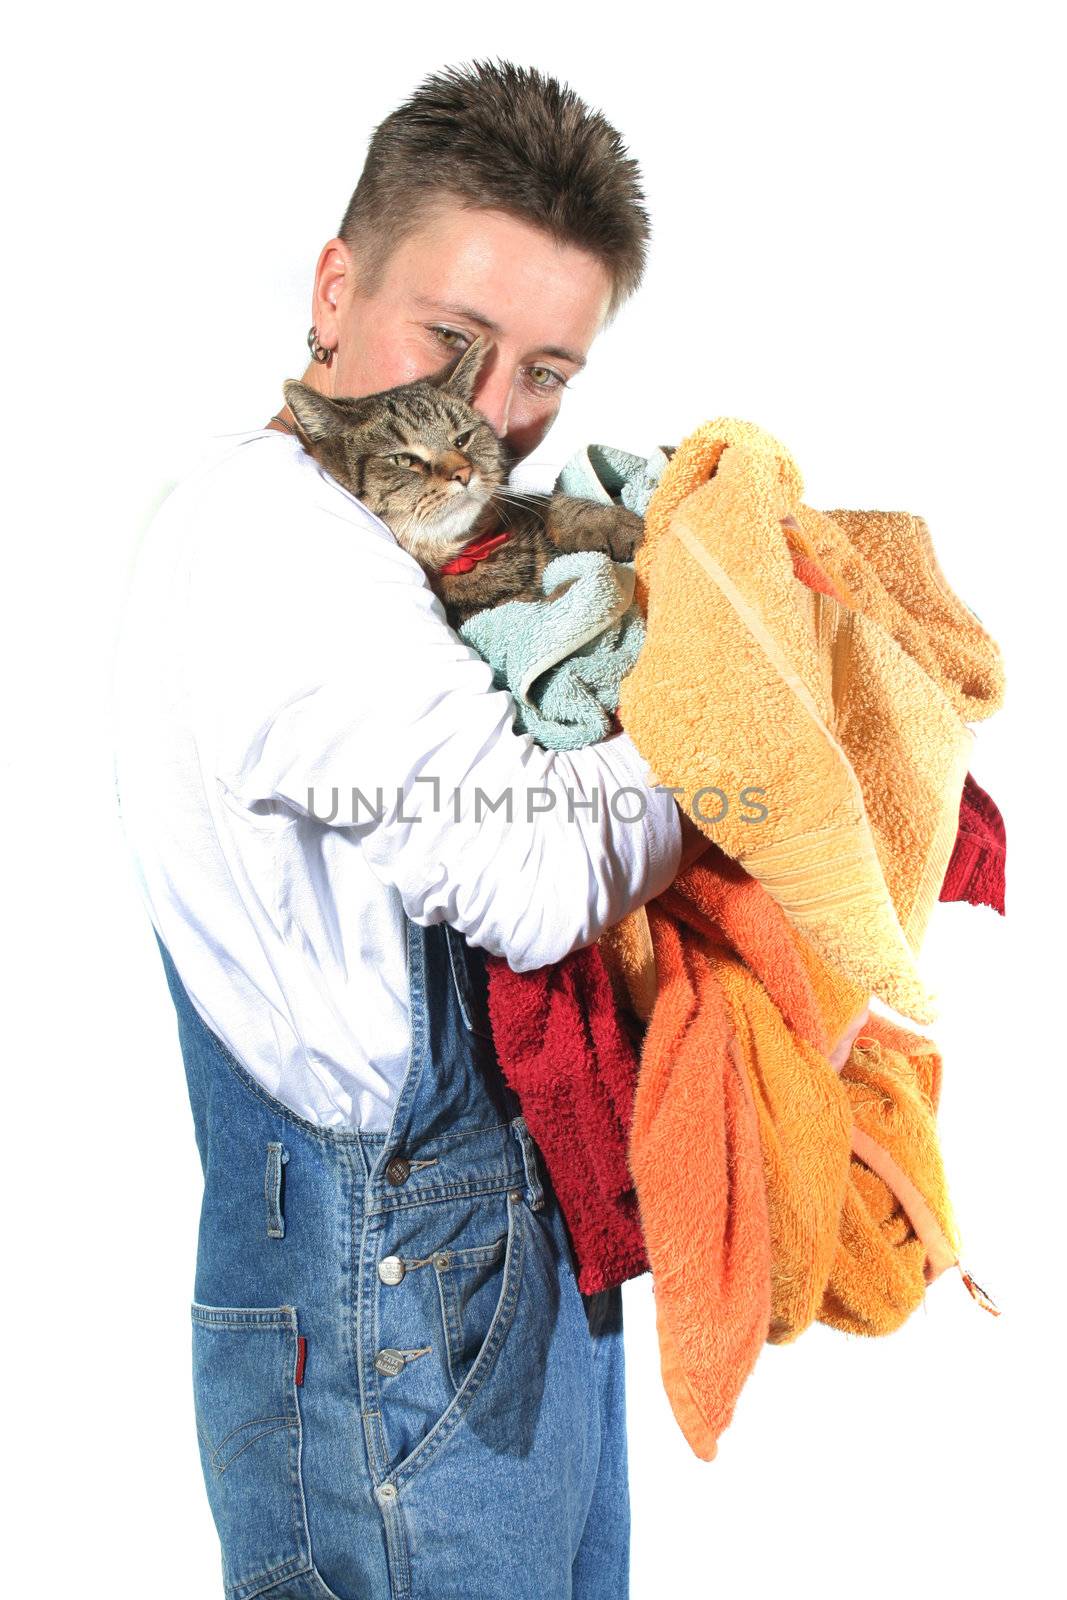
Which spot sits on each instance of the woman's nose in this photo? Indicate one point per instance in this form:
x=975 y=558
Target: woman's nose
x=492 y=398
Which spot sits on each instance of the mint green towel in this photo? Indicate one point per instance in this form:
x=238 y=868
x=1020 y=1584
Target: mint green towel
x=563 y=658
x=603 y=473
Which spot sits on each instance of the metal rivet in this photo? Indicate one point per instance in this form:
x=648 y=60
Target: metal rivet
x=441 y=1259
x=387 y=1491
x=514 y=1194
x=391 y=1269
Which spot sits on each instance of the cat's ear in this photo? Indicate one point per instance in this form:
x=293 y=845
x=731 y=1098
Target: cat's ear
x=317 y=415
x=459 y=379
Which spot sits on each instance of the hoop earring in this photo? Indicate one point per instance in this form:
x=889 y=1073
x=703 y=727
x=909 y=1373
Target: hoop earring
x=318 y=352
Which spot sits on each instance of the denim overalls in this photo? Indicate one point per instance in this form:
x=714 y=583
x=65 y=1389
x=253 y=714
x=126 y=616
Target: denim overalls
x=399 y=1389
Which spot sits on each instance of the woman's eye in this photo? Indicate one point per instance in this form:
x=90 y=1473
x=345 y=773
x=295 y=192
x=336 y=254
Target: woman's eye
x=446 y=335
x=545 y=378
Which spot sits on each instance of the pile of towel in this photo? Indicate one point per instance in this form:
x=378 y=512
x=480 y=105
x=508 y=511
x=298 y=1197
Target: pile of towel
x=677 y=1075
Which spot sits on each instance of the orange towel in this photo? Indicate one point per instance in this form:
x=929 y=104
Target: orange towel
x=772 y=1190
x=695 y=1156
x=729 y=1176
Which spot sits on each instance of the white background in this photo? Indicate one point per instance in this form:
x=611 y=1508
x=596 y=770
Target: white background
x=856 y=212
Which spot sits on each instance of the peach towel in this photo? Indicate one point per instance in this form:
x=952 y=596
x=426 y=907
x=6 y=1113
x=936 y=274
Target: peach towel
x=823 y=662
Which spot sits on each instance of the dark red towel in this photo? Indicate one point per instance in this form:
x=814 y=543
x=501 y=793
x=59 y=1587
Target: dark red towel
x=564 y=1050
x=976 y=871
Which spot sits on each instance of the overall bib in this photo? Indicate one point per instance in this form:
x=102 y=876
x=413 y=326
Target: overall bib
x=400 y=1392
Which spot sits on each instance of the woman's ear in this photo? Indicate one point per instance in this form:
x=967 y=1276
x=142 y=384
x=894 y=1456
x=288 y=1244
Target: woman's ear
x=316 y=414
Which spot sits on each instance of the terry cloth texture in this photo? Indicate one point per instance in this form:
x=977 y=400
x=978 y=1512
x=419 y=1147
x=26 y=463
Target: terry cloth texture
x=564 y=657
x=607 y=475
x=847 y=710
x=564 y=1047
x=773 y=1191
x=977 y=870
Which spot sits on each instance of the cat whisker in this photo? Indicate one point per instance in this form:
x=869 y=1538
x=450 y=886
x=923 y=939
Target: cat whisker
x=522 y=504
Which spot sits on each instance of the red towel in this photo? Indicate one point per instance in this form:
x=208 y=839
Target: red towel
x=976 y=870
x=564 y=1050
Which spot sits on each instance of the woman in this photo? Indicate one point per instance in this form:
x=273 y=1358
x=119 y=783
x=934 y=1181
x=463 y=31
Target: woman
x=399 y=1388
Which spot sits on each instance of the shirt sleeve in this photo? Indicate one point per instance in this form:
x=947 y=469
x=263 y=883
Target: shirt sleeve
x=338 y=691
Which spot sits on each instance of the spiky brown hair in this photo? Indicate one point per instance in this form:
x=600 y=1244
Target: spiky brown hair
x=507 y=138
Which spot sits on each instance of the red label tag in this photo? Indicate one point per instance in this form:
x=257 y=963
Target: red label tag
x=301 y=1356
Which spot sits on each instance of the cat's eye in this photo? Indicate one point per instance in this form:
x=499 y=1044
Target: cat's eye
x=462 y=440
x=404 y=458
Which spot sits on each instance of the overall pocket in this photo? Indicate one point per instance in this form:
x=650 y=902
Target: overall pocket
x=249 y=1428
x=445 y=1321
x=469 y=1283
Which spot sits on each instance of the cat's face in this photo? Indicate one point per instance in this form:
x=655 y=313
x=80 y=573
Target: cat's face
x=419 y=456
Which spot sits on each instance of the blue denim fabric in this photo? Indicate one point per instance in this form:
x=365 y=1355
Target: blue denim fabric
x=400 y=1391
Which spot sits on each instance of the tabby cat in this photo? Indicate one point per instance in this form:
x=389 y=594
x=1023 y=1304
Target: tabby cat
x=421 y=458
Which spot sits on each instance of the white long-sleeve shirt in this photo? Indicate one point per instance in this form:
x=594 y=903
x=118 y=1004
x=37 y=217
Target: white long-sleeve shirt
x=284 y=675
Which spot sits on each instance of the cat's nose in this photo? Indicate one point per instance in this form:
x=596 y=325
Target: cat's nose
x=456 y=469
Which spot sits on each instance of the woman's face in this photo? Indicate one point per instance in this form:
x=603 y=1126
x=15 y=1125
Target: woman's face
x=464 y=272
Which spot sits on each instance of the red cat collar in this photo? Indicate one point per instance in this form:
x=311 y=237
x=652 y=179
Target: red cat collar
x=477 y=550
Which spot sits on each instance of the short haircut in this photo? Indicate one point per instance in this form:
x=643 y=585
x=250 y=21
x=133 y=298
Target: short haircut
x=507 y=138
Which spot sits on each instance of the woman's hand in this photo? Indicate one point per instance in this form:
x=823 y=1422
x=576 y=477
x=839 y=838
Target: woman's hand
x=844 y=1045
x=694 y=843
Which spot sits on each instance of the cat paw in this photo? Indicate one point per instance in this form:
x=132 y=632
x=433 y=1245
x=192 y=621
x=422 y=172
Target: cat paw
x=626 y=534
